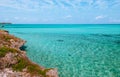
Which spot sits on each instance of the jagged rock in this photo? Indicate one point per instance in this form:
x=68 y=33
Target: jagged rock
x=8 y=60
x=52 y=73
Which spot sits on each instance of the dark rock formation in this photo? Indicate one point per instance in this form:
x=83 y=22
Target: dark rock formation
x=23 y=47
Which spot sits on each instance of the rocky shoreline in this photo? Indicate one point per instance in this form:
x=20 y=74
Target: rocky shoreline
x=14 y=62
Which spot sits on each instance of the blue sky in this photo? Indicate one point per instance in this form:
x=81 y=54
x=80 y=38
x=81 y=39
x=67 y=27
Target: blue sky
x=60 y=11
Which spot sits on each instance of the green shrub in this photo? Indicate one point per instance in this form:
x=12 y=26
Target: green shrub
x=20 y=65
x=7 y=38
x=35 y=69
x=4 y=50
x=31 y=68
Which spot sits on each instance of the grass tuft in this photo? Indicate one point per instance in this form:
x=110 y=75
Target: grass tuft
x=34 y=69
x=31 y=68
x=4 y=50
x=20 y=65
x=7 y=38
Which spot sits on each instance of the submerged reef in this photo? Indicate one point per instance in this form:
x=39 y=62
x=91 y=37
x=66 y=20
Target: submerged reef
x=15 y=63
x=60 y=40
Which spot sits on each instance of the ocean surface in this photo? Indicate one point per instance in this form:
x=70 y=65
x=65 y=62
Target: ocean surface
x=75 y=50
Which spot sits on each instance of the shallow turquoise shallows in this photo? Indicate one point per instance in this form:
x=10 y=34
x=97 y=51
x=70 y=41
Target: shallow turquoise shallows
x=75 y=50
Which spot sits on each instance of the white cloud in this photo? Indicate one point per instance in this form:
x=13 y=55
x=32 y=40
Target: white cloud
x=37 y=4
x=16 y=18
x=99 y=17
x=101 y=4
x=68 y=16
x=23 y=4
x=41 y=4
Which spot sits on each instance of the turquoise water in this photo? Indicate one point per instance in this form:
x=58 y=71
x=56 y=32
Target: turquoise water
x=75 y=50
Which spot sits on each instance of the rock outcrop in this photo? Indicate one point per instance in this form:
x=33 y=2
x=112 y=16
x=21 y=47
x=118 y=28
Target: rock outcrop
x=14 y=62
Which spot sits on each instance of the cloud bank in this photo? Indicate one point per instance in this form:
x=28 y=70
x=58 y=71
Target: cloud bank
x=60 y=11
x=37 y=4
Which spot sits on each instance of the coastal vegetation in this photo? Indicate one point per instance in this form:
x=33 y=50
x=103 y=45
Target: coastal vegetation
x=12 y=57
x=5 y=50
x=22 y=62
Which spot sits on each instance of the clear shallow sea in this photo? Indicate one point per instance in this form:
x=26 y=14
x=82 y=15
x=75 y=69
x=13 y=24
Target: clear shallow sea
x=75 y=50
